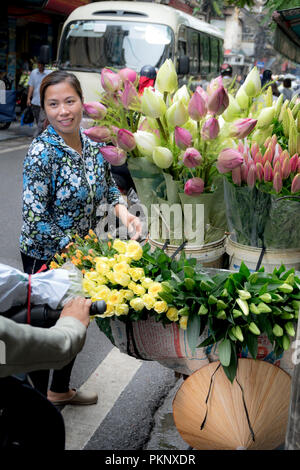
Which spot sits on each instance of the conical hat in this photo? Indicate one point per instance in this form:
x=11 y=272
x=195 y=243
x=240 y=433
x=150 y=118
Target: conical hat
x=235 y=414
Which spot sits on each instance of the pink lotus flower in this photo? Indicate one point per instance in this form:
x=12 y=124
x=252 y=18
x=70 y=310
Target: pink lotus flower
x=183 y=138
x=242 y=127
x=128 y=74
x=229 y=159
x=191 y=158
x=98 y=133
x=126 y=140
x=129 y=97
x=210 y=129
x=110 y=81
x=251 y=178
x=194 y=186
x=218 y=99
x=114 y=155
x=296 y=184
x=197 y=107
x=277 y=182
x=95 y=109
x=268 y=172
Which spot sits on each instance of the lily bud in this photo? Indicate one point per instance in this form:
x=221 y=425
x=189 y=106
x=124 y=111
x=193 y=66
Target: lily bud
x=146 y=141
x=152 y=104
x=258 y=158
x=259 y=135
x=233 y=110
x=267 y=141
x=128 y=74
x=182 y=94
x=244 y=172
x=192 y=158
x=277 y=182
x=95 y=110
x=268 y=172
x=242 y=127
x=229 y=159
x=183 y=138
x=252 y=84
x=194 y=186
x=210 y=129
x=114 y=155
x=242 y=98
x=166 y=79
x=130 y=97
x=254 y=149
x=177 y=114
x=267 y=156
x=286 y=168
x=294 y=163
x=237 y=176
x=110 y=81
x=197 y=107
x=98 y=133
x=296 y=184
x=162 y=157
x=125 y=140
x=218 y=101
x=259 y=171
x=277 y=167
x=265 y=117
x=251 y=178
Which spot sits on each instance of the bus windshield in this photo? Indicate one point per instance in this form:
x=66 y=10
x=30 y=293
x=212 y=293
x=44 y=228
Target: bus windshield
x=92 y=45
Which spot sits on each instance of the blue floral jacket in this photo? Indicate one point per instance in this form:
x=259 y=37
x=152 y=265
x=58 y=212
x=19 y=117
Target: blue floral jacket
x=61 y=192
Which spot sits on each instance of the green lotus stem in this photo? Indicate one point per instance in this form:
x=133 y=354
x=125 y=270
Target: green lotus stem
x=161 y=128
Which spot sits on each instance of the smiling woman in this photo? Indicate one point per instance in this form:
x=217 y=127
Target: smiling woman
x=65 y=180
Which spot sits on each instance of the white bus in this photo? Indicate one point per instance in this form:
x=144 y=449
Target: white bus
x=133 y=34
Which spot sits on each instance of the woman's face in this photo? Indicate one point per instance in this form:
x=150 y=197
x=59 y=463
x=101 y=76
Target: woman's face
x=63 y=108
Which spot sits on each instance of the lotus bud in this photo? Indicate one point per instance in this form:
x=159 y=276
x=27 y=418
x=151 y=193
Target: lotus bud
x=268 y=156
x=260 y=135
x=268 y=172
x=229 y=159
x=218 y=101
x=240 y=146
x=152 y=104
x=183 y=138
x=128 y=74
x=267 y=141
x=278 y=106
x=197 y=107
x=194 y=186
x=251 y=178
x=293 y=138
x=146 y=142
x=95 y=110
x=182 y=94
x=192 y=158
x=269 y=96
x=129 y=97
x=162 y=157
x=210 y=129
x=98 y=133
x=277 y=167
x=259 y=171
x=277 y=151
x=166 y=79
x=233 y=110
x=258 y=158
x=114 y=155
x=283 y=156
x=286 y=168
x=110 y=81
x=294 y=163
x=252 y=84
x=242 y=127
x=242 y=98
x=296 y=184
x=237 y=176
x=244 y=172
x=125 y=140
x=177 y=114
x=254 y=149
x=265 y=117
x=277 y=182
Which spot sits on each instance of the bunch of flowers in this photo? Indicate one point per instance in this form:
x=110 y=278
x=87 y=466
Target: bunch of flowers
x=178 y=131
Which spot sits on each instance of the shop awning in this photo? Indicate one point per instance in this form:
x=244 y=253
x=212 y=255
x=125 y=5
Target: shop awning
x=287 y=33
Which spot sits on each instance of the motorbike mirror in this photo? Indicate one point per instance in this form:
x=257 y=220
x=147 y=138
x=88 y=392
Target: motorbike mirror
x=44 y=56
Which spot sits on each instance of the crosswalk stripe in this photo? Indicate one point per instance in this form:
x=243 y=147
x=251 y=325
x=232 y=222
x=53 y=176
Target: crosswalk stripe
x=109 y=380
x=19 y=147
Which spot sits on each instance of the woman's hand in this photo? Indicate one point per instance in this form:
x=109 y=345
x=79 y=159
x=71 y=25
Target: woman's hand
x=79 y=308
x=130 y=221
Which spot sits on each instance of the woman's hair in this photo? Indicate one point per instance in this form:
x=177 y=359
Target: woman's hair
x=59 y=76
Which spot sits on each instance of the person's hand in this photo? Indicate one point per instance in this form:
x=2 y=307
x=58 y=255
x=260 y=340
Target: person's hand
x=78 y=308
x=130 y=221
x=28 y=102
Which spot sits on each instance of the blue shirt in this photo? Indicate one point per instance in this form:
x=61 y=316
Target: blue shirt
x=61 y=192
x=35 y=81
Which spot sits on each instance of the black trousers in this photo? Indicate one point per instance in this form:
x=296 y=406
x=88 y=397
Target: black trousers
x=61 y=378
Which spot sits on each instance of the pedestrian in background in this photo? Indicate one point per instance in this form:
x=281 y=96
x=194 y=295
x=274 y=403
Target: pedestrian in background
x=287 y=90
x=65 y=179
x=33 y=97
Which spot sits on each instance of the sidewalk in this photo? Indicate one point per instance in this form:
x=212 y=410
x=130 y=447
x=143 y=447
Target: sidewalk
x=16 y=131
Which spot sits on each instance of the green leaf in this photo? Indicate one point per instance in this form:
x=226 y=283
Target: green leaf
x=193 y=331
x=244 y=270
x=230 y=370
x=224 y=350
x=252 y=343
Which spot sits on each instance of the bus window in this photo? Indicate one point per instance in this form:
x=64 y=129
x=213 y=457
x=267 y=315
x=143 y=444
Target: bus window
x=221 y=53
x=205 y=55
x=193 y=53
x=214 y=56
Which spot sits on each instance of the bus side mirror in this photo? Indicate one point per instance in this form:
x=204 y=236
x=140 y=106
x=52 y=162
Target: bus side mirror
x=183 y=65
x=45 y=54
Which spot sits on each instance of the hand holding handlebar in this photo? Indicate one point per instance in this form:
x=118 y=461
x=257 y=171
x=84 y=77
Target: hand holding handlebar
x=78 y=308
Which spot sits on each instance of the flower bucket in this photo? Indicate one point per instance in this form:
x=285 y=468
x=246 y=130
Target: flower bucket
x=209 y=255
x=251 y=255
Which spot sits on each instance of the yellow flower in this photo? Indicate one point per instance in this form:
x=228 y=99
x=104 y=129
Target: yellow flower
x=92 y=233
x=137 y=304
x=92 y=276
x=138 y=289
x=78 y=253
x=115 y=297
x=149 y=301
x=122 y=278
x=122 y=257
x=109 y=312
x=160 y=306
x=183 y=322
x=121 y=309
x=119 y=246
x=172 y=314
x=127 y=294
x=101 y=293
x=121 y=267
x=54 y=265
x=136 y=273
x=134 y=250
x=102 y=267
x=154 y=288
x=89 y=286
x=146 y=282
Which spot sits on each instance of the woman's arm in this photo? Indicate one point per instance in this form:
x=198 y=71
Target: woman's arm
x=130 y=221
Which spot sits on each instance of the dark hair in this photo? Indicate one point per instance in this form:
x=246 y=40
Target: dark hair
x=148 y=71
x=266 y=77
x=287 y=82
x=56 y=77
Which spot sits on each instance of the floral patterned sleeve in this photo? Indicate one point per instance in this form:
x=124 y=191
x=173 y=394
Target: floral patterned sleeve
x=39 y=227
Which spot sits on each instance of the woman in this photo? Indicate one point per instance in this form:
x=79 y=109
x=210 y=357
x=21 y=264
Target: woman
x=65 y=179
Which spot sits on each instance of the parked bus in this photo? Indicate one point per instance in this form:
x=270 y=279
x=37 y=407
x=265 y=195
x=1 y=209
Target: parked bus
x=133 y=34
